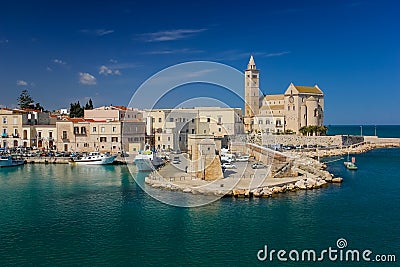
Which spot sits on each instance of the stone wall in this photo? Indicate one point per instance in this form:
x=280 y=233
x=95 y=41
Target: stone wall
x=296 y=140
x=336 y=140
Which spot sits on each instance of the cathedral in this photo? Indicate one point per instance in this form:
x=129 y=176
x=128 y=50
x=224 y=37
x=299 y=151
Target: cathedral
x=274 y=114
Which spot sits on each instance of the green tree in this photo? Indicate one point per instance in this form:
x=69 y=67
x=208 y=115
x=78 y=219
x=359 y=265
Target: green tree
x=89 y=105
x=76 y=111
x=322 y=130
x=303 y=130
x=25 y=100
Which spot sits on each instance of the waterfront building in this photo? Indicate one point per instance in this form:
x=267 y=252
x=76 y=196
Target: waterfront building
x=26 y=128
x=106 y=129
x=299 y=106
x=169 y=128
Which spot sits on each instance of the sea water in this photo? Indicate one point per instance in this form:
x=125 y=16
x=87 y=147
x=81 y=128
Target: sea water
x=55 y=215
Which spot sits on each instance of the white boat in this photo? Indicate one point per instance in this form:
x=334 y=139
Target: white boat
x=94 y=158
x=9 y=161
x=147 y=161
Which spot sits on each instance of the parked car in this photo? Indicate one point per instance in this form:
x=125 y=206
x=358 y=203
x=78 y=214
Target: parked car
x=228 y=165
x=176 y=160
x=243 y=158
x=258 y=165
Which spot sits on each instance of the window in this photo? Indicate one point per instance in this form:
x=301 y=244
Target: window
x=169 y=138
x=171 y=119
x=83 y=130
x=4 y=119
x=103 y=139
x=219 y=129
x=158 y=138
x=205 y=131
x=294 y=107
x=288 y=107
x=267 y=121
x=114 y=139
x=219 y=120
x=192 y=120
x=102 y=129
x=135 y=139
x=208 y=119
x=153 y=119
x=159 y=119
x=50 y=134
x=114 y=129
x=260 y=122
x=192 y=131
x=76 y=130
x=64 y=135
x=40 y=134
x=94 y=129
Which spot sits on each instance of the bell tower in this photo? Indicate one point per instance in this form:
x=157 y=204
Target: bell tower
x=251 y=94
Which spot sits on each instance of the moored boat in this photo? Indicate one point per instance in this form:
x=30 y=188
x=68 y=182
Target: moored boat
x=94 y=158
x=351 y=166
x=10 y=161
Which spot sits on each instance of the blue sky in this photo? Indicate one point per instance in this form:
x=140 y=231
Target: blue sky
x=63 y=51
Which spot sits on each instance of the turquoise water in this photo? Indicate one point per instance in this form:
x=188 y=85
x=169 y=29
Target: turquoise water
x=54 y=215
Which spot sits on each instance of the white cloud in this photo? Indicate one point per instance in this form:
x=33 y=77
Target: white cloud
x=104 y=70
x=278 y=54
x=4 y=41
x=97 y=32
x=59 y=61
x=87 y=79
x=102 y=32
x=173 y=51
x=170 y=35
x=49 y=69
x=21 y=83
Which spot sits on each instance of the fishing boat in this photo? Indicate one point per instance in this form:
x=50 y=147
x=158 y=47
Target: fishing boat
x=10 y=161
x=351 y=165
x=94 y=158
x=148 y=161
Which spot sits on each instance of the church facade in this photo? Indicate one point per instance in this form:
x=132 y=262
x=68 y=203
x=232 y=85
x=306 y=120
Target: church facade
x=298 y=106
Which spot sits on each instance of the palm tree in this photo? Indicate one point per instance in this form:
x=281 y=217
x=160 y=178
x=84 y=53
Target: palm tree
x=322 y=130
x=304 y=130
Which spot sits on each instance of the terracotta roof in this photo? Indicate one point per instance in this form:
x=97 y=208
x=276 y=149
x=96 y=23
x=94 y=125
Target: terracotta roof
x=308 y=90
x=121 y=107
x=75 y=119
x=274 y=97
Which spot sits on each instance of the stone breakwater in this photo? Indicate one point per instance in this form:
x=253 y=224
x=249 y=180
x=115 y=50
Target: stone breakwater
x=354 y=149
x=311 y=174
